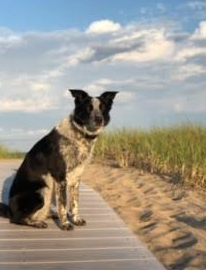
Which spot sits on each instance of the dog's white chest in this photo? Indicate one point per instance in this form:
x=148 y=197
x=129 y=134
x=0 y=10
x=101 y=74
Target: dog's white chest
x=74 y=175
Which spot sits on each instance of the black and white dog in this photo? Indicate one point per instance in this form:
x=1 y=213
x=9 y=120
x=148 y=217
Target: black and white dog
x=56 y=163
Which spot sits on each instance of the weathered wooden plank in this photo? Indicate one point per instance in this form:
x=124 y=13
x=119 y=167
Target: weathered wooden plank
x=71 y=243
x=56 y=255
x=59 y=234
x=89 y=218
x=52 y=225
x=134 y=264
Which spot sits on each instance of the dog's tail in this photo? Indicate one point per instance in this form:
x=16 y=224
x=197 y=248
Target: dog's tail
x=4 y=210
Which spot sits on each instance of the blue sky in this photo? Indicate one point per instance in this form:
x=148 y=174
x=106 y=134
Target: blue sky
x=49 y=15
x=153 y=52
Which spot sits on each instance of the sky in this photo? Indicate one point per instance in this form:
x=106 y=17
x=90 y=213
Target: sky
x=152 y=52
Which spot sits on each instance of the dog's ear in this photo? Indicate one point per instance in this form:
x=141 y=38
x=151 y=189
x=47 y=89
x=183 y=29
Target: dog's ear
x=78 y=94
x=108 y=97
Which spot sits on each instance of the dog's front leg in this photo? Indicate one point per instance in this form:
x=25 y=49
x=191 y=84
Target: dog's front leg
x=61 y=194
x=74 y=203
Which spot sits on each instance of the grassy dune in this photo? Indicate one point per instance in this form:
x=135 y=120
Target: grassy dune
x=178 y=151
x=5 y=153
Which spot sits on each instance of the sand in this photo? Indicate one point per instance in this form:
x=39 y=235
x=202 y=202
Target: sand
x=169 y=218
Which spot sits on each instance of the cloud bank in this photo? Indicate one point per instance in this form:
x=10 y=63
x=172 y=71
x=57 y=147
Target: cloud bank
x=159 y=70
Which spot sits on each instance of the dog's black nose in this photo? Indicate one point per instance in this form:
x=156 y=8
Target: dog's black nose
x=98 y=119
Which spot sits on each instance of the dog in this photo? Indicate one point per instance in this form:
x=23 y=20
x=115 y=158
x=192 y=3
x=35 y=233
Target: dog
x=56 y=162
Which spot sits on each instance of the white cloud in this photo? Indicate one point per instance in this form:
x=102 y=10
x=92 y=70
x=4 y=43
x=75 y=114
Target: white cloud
x=98 y=86
x=22 y=133
x=107 y=84
x=179 y=107
x=79 y=57
x=28 y=105
x=103 y=27
x=156 y=47
x=125 y=97
x=37 y=86
x=189 y=70
x=185 y=53
x=9 y=40
x=200 y=32
x=36 y=132
x=29 y=82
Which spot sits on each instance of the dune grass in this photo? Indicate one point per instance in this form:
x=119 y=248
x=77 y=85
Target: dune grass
x=5 y=153
x=178 y=151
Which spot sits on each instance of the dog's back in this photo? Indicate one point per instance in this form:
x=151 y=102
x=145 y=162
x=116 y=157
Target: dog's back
x=32 y=178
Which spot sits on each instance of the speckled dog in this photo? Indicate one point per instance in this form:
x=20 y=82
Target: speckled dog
x=56 y=163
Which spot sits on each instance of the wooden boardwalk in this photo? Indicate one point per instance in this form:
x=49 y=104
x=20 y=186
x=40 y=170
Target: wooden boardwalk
x=105 y=243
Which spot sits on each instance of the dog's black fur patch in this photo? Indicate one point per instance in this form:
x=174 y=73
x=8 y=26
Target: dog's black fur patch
x=43 y=158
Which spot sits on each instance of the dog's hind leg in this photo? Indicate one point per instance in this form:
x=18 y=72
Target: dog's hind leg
x=61 y=193
x=34 y=223
x=24 y=207
x=74 y=204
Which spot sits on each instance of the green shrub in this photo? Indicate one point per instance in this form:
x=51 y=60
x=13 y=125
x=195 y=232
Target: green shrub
x=5 y=153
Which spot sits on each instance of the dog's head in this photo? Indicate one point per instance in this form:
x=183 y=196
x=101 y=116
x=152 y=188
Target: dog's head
x=91 y=114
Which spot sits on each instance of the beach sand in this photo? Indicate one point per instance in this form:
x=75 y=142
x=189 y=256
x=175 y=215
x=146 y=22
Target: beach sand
x=169 y=218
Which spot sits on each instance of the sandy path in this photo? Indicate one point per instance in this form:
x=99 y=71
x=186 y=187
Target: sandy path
x=169 y=219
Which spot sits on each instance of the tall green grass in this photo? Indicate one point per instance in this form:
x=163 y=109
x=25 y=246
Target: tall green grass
x=5 y=153
x=178 y=151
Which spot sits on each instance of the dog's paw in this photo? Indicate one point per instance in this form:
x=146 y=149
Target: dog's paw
x=78 y=221
x=67 y=226
x=40 y=224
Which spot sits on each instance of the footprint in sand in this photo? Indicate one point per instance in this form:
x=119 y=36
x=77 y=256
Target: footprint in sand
x=185 y=241
x=192 y=221
x=146 y=216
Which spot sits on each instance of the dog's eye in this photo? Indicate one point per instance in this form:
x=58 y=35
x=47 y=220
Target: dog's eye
x=89 y=108
x=102 y=107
